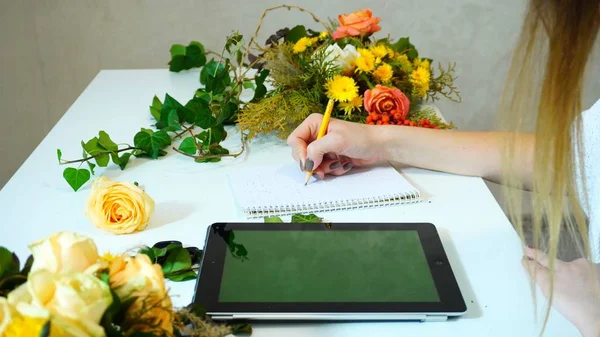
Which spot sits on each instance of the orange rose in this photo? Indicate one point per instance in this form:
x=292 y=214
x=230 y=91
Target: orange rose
x=359 y=23
x=386 y=100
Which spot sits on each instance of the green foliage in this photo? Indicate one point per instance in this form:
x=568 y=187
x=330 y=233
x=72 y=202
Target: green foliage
x=11 y=274
x=296 y=218
x=151 y=142
x=296 y=34
x=404 y=46
x=178 y=263
x=184 y=58
x=76 y=177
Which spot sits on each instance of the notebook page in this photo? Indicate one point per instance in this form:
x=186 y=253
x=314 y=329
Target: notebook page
x=280 y=186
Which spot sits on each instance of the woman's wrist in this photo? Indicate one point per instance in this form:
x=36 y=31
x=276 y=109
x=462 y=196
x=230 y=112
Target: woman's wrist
x=591 y=330
x=391 y=142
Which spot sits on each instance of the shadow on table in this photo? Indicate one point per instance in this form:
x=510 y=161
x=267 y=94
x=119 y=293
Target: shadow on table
x=473 y=308
x=169 y=212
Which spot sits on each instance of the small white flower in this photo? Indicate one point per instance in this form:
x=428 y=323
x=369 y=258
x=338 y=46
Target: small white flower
x=344 y=58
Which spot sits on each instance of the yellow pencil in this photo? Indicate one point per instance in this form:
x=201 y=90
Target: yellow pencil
x=322 y=131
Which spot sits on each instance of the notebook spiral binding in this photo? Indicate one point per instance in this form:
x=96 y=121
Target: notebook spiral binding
x=328 y=206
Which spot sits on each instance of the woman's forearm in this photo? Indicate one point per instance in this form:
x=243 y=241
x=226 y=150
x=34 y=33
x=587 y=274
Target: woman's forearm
x=466 y=153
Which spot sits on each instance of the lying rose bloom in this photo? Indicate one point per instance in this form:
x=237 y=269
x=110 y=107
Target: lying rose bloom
x=64 y=252
x=386 y=100
x=75 y=302
x=344 y=58
x=359 y=23
x=121 y=208
x=152 y=310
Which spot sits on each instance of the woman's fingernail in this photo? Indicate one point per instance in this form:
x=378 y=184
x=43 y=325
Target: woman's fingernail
x=301 y=166
x=348 y=166
x=335 y=165
x=309 y=165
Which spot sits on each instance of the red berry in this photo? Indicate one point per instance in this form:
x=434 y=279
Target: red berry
x=385 y=118
x=370 y=123
x=406 y=122
x=376 y=117
x=435 y=127
x=412 y=123
x=426 y=121
x=379 y=122
x=369 y=119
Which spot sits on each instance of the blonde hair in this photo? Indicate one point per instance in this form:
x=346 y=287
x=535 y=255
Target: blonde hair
x=544 y=90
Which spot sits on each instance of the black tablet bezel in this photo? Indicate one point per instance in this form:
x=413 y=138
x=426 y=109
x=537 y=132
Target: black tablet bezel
x=209 y=278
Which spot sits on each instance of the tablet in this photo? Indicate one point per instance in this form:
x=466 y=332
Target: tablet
x=333 y=272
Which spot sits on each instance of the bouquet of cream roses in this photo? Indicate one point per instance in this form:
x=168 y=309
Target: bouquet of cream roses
x=67 y=289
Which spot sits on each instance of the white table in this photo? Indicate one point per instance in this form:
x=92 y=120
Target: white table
x=482 y=246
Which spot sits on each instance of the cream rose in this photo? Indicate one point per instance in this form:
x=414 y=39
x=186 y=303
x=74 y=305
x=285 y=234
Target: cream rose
x=152 y=311
x=344 y=58
x=75 y=302
x=118 y=207
x=64 y=252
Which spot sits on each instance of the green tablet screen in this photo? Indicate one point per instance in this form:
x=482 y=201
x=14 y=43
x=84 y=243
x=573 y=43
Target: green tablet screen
x=326 y=266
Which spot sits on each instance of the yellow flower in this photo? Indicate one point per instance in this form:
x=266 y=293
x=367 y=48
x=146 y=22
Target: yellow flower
x=383 y=73
x=23 y=326
x=118 y=207
x=421 y=63
x=108 y=257
x=137 y=277
x=302 y=44
x=75 y=302
x=342 y=88
x=419 y=78
x=404 y=62
x=323 y=35
x=351 y=105
x=380 y=51
x=314 y=40
x=64 y=252
x=366 y=61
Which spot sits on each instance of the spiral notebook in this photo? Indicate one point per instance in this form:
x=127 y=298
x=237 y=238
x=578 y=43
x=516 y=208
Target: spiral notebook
x=268 y=191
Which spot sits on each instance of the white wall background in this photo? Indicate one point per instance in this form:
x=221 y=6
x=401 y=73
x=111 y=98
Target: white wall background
x=51 y=49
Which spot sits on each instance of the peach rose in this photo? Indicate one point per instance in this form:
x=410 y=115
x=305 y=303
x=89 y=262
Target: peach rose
x=117 y=207
x=359 y=23
x=152 y=310
x=388 y=100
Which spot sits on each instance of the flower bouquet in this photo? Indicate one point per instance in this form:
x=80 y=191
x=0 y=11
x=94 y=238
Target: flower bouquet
x=66 y=289
x=372 y=81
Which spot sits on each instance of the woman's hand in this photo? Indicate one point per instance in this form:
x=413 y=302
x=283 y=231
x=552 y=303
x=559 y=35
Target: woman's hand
x=344 y=146
x=576 y=289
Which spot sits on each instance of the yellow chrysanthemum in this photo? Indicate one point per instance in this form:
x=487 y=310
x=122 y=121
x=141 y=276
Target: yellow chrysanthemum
x=421 y=63
x=404 y=62
x=351 y=105
x=301 y=45
x=366 y=62
x=314 y=40
x=383 y=73
x=379 y=50
x=342 y=88
x=22 y=326
x=323 y=35
x=419 y=78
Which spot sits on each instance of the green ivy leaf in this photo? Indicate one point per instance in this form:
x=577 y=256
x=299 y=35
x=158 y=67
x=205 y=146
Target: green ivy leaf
x=247 y=84
x=188 y=145
x=165 y=112
x=6 y=259
x=296 y=34
x=92 y=166
x=155 y=108
x=273 y=219
x=59 y=155
x=107 y=143
x=218 y=149
x=215 y=76
x=261 y=89
x=205 y=119
x=306 y=218
x=179 y=259
x=93 y=148
x=194 y=107
x=121 y=161
x=184 y=58
x=228 y=112
x=181 y=277
x=173 y=121
x=76 y=177
x=207 y=160
x=241 y=328
x=217 y=134
x=148 y=252
x=152 y=143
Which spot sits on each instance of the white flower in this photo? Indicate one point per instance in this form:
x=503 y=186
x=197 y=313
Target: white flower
x=344 y=58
